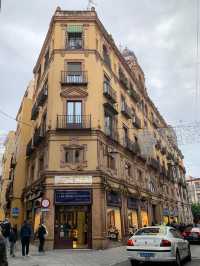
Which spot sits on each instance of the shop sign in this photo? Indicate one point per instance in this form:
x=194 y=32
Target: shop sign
x=15 y=212
x=45 y=203
x=114 y=199
x=70 y=197
x=166 y=212
x=132 y=203
x=75 y=179
x=176 y=212
x=144 y=205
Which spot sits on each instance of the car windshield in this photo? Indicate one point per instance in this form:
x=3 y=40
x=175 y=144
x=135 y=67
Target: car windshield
x=151 y=231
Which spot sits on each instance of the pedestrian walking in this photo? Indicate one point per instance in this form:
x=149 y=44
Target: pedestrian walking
x=6 y=226
x=42 y=233
x=25 y=235
x=12 y=239
x=3 y=254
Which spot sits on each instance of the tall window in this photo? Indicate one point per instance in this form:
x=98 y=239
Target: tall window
x=111 y=161
x=125 y=136
x=108 y=123
x=74 y=37
x=74 y=112
x=123 y=103
x=106 y=56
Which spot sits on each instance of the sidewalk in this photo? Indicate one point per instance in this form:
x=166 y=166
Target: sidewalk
x=71 y=257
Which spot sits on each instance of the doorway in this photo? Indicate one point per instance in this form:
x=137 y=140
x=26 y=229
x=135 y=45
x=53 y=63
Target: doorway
x=72 y=227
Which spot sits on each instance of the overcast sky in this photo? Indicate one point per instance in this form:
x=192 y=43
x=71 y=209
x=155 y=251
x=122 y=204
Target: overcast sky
x=161 y=33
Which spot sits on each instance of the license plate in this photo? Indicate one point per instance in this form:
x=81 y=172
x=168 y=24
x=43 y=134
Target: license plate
x=146 y=255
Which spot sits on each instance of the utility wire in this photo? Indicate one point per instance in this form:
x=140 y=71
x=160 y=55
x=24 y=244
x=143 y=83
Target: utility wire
x=11 y=117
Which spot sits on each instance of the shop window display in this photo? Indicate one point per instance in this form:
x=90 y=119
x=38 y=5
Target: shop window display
x=114 y=224
x=71 y=227
x=132 y=221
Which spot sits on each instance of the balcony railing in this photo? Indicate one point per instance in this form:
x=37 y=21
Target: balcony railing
x=134 y=95
x=127 y=143
x=154 y=164
x=126 y=110
x=35 y=112
x=132 y=146
x=73 y=122
x=109 y=92
x=112 y=107
x=42 y=96
x=29 y=148
x=137 y=122
x=38 y=136
x=75 y=44
x=112 y=133
x=74 y=78
x=123 y=79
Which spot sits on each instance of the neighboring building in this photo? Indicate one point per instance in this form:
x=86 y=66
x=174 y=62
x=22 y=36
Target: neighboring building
x=22 y=136
x=193 y=189
x=8 y=164
x=100 y=153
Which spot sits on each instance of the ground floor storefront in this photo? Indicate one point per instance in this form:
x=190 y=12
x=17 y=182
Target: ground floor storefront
x=89 y=215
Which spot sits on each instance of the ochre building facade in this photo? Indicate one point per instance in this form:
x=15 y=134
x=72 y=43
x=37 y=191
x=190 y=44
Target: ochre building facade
x=101 y=161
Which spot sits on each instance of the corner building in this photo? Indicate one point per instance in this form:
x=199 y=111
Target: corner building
x=86 y=155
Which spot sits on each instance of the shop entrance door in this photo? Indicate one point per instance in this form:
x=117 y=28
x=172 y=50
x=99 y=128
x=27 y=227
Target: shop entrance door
x=72 y=227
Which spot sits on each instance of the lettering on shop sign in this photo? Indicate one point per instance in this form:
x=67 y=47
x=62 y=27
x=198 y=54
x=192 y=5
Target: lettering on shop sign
x=132 y=203
x=68 y=197
x=166 y=212
x=114 y=199
x=76 y=179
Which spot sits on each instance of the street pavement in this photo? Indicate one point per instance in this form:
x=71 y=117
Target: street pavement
x=110 y=257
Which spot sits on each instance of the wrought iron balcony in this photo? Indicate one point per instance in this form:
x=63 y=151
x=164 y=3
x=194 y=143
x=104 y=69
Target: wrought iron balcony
x=111 y=107
x=73 y=122
x=35 y=112
x=134 y=95
x=112 y=133
x=132 y=146
x=156 y=122
x=74 y=78
x=126 y=110
x=74 y=44
x=127 y=143
x=109 y=92
x=42 y=96
x=123 y=79
x=154 y=164
x=29 y=148
x=137 y=122
x=163 y=171
x=38 y=136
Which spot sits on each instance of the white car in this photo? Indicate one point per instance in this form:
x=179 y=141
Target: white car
x=158 y=244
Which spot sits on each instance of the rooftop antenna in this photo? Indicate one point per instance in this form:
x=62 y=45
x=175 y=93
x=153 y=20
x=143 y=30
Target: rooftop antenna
x=91 y=4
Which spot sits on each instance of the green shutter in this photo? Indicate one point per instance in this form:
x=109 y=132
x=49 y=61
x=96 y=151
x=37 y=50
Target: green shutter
x=74 y=28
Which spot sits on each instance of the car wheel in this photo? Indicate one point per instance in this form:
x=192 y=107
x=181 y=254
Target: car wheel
x=189 y=257
x=178 y=259
x=134 y=263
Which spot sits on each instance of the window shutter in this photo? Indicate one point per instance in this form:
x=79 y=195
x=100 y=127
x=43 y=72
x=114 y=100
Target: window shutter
x=74 y=28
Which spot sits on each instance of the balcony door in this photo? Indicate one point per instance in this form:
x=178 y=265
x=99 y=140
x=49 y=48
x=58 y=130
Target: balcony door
x=75 y=74
x=74 y=118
